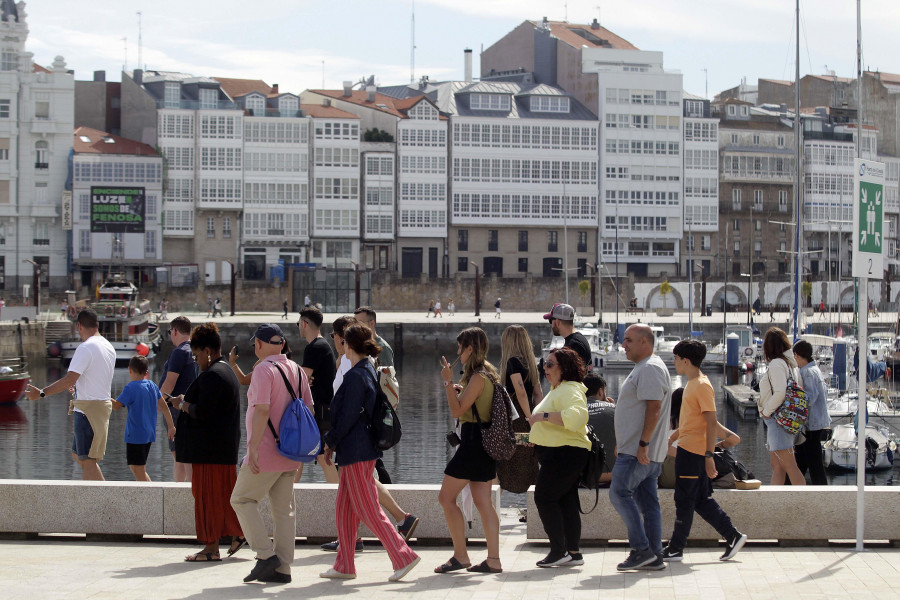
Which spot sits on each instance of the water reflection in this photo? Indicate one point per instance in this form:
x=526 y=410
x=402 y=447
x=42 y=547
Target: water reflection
x=35 y=438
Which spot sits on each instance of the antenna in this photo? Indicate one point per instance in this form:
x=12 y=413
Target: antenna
x=412 y=50
x=706 y=83
x=140 y=43
x=566 y=11
x=125 y=64
x=323 y=74
x=598 y=13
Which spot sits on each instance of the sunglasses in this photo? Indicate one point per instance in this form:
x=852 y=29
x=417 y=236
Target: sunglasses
x=169 y=331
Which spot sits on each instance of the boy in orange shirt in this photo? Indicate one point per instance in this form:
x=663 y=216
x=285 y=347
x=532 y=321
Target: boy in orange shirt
x=694 y=464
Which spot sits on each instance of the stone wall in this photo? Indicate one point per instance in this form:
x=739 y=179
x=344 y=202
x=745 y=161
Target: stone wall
x=22 y=339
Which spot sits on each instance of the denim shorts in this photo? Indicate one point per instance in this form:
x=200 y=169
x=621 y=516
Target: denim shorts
x=82 y=436
x=776 y=437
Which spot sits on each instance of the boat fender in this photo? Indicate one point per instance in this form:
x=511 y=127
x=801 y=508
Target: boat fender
x=142 y=349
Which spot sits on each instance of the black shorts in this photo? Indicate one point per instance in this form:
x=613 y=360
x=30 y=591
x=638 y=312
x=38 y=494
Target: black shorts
x=322 y=413
x=136 y=454
x=471 y=462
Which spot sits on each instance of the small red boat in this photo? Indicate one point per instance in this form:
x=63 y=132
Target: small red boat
x=13 y=379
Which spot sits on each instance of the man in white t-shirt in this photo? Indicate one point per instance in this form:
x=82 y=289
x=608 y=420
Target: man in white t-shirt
x=91 y=373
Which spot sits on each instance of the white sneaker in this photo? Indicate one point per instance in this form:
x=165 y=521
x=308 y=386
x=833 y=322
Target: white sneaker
x=402 y=571
x=332 y=573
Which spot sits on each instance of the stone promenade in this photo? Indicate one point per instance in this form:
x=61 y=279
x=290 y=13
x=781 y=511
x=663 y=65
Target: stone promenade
x=51 y=567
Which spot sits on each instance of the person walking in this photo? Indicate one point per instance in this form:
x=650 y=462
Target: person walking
x=809 y=455
x=209 y=305
x=179 y=372
x=264 y=471
x=451 y=308
x=641 y=446
x=90 y=373
x=562 y=323
x=437 y=309
x=319 y=365
x=207 y=435
x=559 y=432
x=350 y=443
x=430 y=312
x=285 y=307
x=772 y=388
x=471 y=465
x=497 y=307
x=695 y=466
x=217 y=308
x=306 y=301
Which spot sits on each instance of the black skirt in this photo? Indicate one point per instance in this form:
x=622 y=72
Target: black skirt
x=471 y=462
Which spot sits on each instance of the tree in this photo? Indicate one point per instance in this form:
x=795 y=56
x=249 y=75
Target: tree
x=806 y=292
x=665 y=288
x=584 y=288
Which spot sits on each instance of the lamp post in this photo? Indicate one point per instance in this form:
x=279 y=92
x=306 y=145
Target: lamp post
x=231 y=264
x=36 y=284
x=477 y=290
x=356 y=267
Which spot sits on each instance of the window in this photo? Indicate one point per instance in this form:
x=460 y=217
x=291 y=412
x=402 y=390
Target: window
x=705 y=242
x=41 y=151
x=493 y=243
x=523 y=241
x=756 y=140
x=84 y=242
x=42 y=110
x=150 y=244
x=549 y=104
x=523 y=265
x=736 y=199
x=4 y=109
x=782 y=201
x=256 y=105
x=490 y=102
x=737 y=251
x=211 y=227
x=462 y=263
x=462 y=240
x=757 y=199
x=735 y=225
x=734 y=138
x=172 y=94
x=226 y=227
x=757 y=247
x=552 y=241
x=582 y=241
x=41 y=234
x=9 y=61
x=208 y=98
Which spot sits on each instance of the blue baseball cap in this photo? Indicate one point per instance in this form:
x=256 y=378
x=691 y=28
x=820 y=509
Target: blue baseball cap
x=267 y=333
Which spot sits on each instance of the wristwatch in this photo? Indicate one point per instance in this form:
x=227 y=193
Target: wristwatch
x=546 y=416
x=708 y=454
x=43 y=395
x=643 y=444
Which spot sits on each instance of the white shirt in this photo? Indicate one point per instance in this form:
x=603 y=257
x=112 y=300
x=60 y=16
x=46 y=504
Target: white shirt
x=339 y=376
x=94 y=361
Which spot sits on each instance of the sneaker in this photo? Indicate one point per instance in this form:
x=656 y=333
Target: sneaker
x=656 y=565
x=333 y=573
x=637 y=559
x=402 y=571
x=734 y=545
x=408 y=526
x=333 y=546
x=554 y=560
x=577 y=559
x=265 y=567
x=671 y=554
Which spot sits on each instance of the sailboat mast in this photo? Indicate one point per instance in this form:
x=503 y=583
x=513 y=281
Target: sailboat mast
x=798 y=209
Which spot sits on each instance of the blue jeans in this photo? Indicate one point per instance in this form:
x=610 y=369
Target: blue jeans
x=633 y=494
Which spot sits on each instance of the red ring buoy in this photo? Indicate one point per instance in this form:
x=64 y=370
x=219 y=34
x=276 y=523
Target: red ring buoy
x=748 y=351
x=123 y=311
x=72 y=312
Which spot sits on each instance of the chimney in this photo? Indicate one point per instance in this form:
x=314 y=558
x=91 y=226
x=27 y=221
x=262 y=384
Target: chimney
x=326 y=101
x=545 y=24
x=467 y=53
x=274 y=88
x=348 y=89
x=370 y=93
x=595 y=24
x=99 y=75
x=138 y=76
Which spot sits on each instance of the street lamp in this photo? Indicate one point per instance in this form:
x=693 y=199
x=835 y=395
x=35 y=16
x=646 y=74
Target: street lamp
x=36 y=285
x=231 y=264
x=356 y=267
x=477 y=290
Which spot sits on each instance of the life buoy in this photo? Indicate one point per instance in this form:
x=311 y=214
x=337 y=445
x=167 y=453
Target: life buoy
x=72 y=312
x=748 y=351
x=123 y=311
x=109 y=311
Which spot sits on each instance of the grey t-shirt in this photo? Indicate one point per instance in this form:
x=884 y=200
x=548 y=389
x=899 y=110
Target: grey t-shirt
x=649 y=380
x=386 y=357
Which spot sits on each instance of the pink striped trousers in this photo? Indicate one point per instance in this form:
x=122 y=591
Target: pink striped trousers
x=357 y=500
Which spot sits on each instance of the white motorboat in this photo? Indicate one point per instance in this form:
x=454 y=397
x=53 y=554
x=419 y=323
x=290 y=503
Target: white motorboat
x=747 y=350
x=881 y=344
x=880 y=407
x=599 y=339
x=841 y=449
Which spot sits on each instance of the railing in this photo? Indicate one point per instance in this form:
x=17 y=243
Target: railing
x=196 y=105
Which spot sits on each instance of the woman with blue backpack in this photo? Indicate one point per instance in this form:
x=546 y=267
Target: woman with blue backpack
x=351 y=444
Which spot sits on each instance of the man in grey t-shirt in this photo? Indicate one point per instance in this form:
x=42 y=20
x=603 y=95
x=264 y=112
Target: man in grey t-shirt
x=641 y=438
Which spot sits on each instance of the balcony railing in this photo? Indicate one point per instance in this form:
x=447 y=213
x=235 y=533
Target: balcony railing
x=195 y=105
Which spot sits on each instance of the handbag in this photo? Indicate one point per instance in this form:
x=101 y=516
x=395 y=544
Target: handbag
x=793 y=412
x=498 y=438
x=594 y=469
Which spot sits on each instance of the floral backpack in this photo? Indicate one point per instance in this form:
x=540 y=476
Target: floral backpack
x=498 y=439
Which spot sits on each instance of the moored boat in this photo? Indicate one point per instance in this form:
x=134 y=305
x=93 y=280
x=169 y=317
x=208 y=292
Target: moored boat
x=14 y=378
x=841 y=449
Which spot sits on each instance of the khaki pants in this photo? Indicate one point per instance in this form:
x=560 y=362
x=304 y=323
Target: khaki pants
x=249 y=489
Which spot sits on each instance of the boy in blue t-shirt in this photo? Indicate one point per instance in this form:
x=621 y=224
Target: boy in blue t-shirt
x=143 y=400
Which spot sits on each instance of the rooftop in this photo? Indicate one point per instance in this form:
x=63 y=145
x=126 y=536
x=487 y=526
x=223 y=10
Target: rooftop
x=94 y=141
x=317 y=111
x=235 y=88
x=580 y=35
x=391 y=105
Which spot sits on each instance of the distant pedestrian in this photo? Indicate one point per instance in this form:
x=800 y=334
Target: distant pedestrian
x=757 y=305
x=451 y=308
x=143 y=400
x=63 y=307
x=306 y=301
x=285 y=306
x=163 y=309
x=430 y=312
x=209 y=306
x=217 y=308
x=437 y=309
x=497 y=307
x=771 y=313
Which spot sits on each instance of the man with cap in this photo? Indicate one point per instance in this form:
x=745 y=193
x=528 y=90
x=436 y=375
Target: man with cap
x=264 y=471
x=562 y=322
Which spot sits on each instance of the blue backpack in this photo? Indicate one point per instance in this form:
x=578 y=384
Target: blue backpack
x=299 y=439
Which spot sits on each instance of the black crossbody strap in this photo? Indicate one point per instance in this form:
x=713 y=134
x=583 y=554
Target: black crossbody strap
x=290 y=390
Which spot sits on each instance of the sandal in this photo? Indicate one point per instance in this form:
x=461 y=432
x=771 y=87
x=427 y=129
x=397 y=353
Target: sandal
x=483 y=567
x=203 y=557
x=237 y=542
x=451 y=565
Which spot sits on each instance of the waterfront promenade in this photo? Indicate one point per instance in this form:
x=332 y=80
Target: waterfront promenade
x=52 y=567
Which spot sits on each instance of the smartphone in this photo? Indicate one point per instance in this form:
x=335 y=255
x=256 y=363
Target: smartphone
x=235 y=350
x=523 y=438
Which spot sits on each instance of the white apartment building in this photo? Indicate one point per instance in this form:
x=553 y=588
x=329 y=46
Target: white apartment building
x=36 y=123
x=523 y=179
x=641 y=156
x=701 y=188
x=105 y=166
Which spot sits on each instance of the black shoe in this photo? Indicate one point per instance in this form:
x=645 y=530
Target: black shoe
x=577 y=559
x=333 y=546
x=264 y=568
x=276 y=577
x=554 y=560
x=656 y=565
x=637 y=559
x=671 y=554
x=734 y=545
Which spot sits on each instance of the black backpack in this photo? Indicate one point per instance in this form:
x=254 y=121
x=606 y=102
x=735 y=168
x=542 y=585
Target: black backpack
x=384 y=425
x=594 y=468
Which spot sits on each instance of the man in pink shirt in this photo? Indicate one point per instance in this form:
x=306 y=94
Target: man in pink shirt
x=264 y=471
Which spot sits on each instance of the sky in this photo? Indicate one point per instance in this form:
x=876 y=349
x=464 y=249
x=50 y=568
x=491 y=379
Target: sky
x=300 y=44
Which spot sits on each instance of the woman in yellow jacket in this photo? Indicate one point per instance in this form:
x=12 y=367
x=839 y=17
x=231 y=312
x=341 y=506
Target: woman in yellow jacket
x=559 y=432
